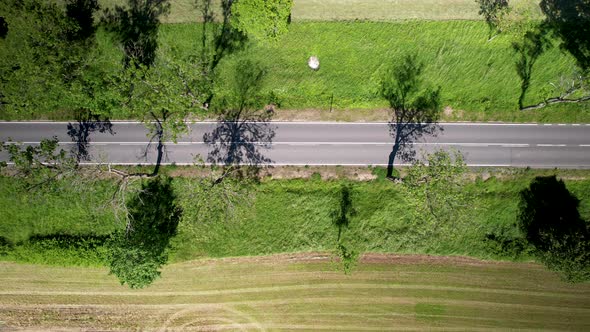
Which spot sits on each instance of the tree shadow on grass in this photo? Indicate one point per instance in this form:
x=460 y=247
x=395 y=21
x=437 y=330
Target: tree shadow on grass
x=551 y=223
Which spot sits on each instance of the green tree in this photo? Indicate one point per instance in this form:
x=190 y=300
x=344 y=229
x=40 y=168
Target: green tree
x=549 y=219
x=262 y=19
x=492 y=10
x=162 y=96
x=415 y=109
x=45 y=58
x=39 y=166
x=136 y=254
x=243 y=113
x=438 y=183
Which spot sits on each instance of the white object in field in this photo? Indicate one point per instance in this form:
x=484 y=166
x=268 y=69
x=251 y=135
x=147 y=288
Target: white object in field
x=313 y=62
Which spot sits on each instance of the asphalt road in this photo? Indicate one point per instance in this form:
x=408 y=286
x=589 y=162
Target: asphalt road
x=284 y=143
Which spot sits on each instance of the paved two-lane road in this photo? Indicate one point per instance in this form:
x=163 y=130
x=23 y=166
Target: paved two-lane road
x=299 y=143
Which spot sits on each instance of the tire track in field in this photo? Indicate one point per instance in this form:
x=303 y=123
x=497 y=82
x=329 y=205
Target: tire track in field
x=337 y=300
x=252 y=322
x=298 y=287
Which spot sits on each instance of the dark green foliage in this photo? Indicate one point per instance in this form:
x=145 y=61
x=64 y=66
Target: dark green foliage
x=136 y=28
x=438 y=183
x=3 y=27
x=262 y=19
x=81 y=12
x=549 y=219
x=570 y=20
x=507 y=241
x=136 y=255
x=528 y=50
x=348 y=257
x=491 y=10
x=415 y=109
x=58 y=249
x=44 y=61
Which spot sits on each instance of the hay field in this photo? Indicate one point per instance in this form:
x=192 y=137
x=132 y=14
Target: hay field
x=298 y=292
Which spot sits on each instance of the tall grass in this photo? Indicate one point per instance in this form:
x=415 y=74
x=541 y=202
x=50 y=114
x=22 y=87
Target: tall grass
x=477 y=77
x=285 y=216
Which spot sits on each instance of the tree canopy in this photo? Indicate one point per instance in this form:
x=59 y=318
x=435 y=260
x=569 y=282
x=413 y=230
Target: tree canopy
x=262 y=19
x=137 y=253
x=415 y=107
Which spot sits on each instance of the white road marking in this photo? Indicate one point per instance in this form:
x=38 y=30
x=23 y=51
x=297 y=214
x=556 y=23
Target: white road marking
x=294 y=143
x=307 y=122
x=327 y=164
x=505 y=145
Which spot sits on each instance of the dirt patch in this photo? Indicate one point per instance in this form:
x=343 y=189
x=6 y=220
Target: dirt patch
x=353 y=115
x=367 y=258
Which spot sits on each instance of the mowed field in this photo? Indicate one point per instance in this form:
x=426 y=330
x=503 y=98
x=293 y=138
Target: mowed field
x=182 y=11
x=298 y=292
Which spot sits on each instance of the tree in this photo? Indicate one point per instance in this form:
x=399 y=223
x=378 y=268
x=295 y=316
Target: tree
x=244 y=115
x=217 y=40
x=549 y=219
x=414 y=109
x=529 y=49
x=492 y=10
x=570 y=21
x=39 y=166
x=438 y=183
x=262 y=19
x=136 y=254
x=136 y=29
x=81 y=13
x=162 y=97
x=45 y=57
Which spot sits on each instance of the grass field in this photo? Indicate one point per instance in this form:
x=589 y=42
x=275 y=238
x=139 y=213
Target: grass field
x=64 y=228
x=298 y=292
x=477 y=78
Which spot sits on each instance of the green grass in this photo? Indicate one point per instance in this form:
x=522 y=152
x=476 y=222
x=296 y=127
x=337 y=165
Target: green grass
x=477 y=77
x=285 y=216
x=302 y=292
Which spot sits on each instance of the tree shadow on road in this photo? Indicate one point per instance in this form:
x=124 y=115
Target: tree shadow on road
x=80 y=131
x=414 y=110
x=244 y=127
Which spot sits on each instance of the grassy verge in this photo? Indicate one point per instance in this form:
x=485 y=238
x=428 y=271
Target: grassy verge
x=298 y=292
x=284 y=216
x=477 y=77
